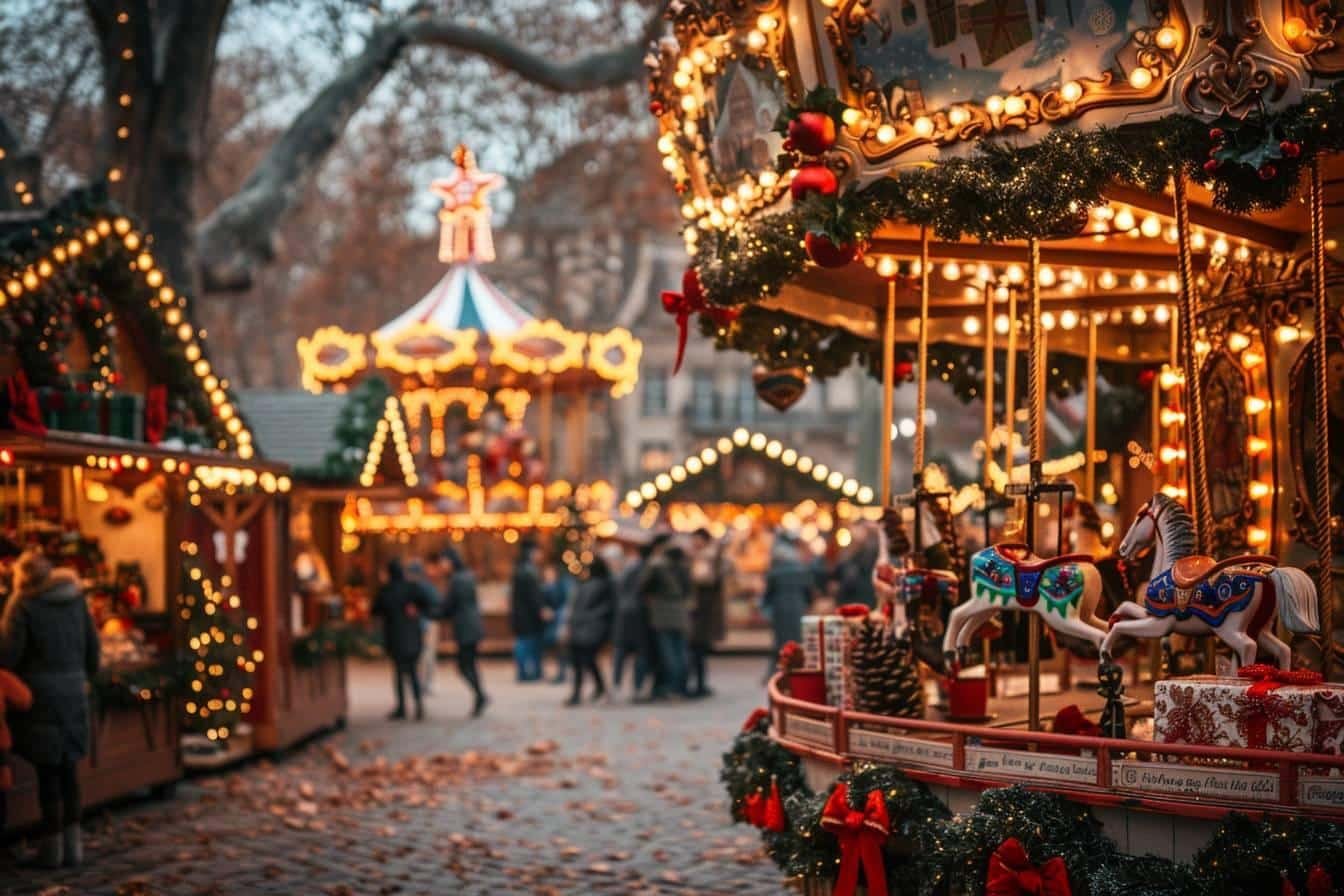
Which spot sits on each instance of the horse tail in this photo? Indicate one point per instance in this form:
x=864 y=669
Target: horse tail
x=1296 y=596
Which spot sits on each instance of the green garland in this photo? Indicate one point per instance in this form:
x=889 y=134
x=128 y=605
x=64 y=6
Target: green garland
x=130 y=688
x=105 y=270
x=358 y=422
x=932 y=852
x=753 y=761
x=1006 y=192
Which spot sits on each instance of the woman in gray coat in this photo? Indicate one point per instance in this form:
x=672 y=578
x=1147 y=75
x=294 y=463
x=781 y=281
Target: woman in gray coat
x=590 y=618
x=463 y=610
x=788 y=592
x=47 y=638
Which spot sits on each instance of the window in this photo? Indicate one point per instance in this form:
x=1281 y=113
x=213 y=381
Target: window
x=746 y=399
x=703 y=399
x=653 y=398
x=654 y=457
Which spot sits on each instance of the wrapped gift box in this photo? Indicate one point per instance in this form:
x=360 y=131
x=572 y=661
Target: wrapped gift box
x=1329 y=720
x=826 y=643
x=1248 y=712
x=71 y=410
x=126 y=416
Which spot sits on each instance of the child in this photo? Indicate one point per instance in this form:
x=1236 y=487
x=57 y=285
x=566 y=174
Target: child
x=13 y=693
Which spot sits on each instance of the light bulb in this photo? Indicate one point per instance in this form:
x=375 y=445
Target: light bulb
x=1151 y=227
x=951 y=271
x=1255 y=404
x=1124 y=220
x=1071 y=92
x=1107 y=280
x=1046 y=276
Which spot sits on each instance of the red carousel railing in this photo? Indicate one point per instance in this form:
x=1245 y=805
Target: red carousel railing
x=1210 y=782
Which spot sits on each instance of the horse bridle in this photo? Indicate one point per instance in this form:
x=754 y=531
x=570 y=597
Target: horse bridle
x=1156 y=517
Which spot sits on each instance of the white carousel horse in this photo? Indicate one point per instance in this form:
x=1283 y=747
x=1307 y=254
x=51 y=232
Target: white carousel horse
x=1062 y=590
x=1192 y=594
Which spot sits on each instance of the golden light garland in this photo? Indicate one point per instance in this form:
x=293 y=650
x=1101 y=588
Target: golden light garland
x=506 y=348
x=460 y=349
x=314 y=371
x=623 y=374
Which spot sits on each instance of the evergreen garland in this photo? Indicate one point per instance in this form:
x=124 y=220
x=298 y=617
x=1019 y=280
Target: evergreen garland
x=334 y=639
x=1149 y=875
x=1248 y=858
x=1002 y=191
x=753 y=761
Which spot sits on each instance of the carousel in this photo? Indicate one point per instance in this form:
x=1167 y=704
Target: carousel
x=1045 y=207
x=499 y=408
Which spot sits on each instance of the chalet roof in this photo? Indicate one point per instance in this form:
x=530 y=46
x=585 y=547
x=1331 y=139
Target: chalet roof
x=297 y=428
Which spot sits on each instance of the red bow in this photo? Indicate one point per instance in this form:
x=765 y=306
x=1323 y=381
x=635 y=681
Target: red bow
x=21 y=401
x=1011 y=873
x=773 y=817
x=753 y=808
x=861 y=835
x=1261 y=705
x=1319 y=883
x=754 y=719
x=854 y=611
x=691 y=300
x=1269 y=677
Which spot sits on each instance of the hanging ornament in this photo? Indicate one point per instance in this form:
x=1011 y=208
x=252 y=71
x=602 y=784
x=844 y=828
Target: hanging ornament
x=773 y=817
x=780 y=387
x=826 y=253
x=812 y=133
x=814 y=178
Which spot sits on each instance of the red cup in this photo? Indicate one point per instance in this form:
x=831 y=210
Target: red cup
x=809 y=686
x=968 y=698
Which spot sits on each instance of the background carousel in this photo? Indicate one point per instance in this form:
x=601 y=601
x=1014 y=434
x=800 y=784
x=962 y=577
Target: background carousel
x=1045 y=200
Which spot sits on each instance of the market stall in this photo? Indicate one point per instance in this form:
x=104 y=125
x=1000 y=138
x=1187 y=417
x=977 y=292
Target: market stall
x=1164 y=215
x=115 y=436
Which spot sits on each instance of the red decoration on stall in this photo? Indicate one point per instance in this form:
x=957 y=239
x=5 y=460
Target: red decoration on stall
x=156 y=414
x=1011 y=873
x=861 y=835
x=753 y=808
x=754 y=718
x=691 y=300
x=773 y=817
x=18 y=406
x=1259 y=702
x=1319 y=883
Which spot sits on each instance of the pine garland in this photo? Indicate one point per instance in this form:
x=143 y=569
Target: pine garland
x=753 y=761
x=1002 y=191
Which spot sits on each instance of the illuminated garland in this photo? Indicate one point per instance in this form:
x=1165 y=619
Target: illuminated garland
x=931 y=850
x=85 y=240
x=1003 y=192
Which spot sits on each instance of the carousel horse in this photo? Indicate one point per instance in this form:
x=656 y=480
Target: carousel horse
x=915 y=600
x=1064 y=591
x=1192 y=594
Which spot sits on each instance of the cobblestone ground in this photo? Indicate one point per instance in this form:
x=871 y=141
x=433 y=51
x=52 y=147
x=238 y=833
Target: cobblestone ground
x=533 y=798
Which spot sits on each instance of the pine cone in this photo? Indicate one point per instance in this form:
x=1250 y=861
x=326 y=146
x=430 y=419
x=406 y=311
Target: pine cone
x=884 y=675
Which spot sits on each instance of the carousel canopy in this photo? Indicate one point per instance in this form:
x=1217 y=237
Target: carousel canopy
x=465 y=331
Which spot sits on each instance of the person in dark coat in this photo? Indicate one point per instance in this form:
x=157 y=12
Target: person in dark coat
x=47 y=639
x=401 y=603
x=462 y=610
x=528 y=613
x=664 y=589
x=590 y=619
x=788 y=592
x=856 y=570
x=707 y=622
x=630 y=635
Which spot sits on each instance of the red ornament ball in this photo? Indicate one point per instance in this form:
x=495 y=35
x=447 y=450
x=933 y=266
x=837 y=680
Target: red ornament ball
x=1217 y=134
x=814 y=179
x=1268 y=171
x=903 y=370
x=1146 y=377
x=1211 y=166
x=1290 y=149
x=812 y=132
x=788 y=145
x=826 y=253
x=656 y=107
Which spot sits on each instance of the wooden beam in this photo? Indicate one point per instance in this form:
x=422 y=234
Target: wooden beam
x=1163 y=258
x=1239 y=226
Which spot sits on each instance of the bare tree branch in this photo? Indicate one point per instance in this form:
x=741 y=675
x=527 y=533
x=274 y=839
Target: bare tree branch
x=239 y=235
x=62 y=98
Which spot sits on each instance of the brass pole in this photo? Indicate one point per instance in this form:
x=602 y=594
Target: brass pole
x=1036 y=449
x=1090 y=469
x=922 y=384
x=988 y=480
x=1010 y=385
x=1325 y=586
x=1194 y=408
x=547 y=398
x=888 y=386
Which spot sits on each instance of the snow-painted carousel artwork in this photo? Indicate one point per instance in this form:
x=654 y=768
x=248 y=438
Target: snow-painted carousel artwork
x=1114 y=227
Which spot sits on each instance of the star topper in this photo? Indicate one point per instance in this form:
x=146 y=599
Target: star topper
x=464 y=220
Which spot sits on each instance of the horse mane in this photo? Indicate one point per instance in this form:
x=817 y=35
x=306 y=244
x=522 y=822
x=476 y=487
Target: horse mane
x=1178 y=526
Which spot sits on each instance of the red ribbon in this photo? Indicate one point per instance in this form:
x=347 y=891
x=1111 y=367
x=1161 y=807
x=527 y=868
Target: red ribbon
x=691 y=300
x=754 y=719
x=156 y=414
x=24 y=413
x=861 y=835
x=753 y=809
x=773 y=817
x=854 y=611
x=1260 y=704
x=1011 y=873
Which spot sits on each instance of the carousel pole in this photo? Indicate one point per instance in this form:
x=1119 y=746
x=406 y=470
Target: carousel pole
x=921 y=384
x=986 y=477
x=1036 y=453
x=547 y=410
x=1325 y=586
x=1010 y=387
x=1194 y=409
x=888 y=386
x=1090 y=446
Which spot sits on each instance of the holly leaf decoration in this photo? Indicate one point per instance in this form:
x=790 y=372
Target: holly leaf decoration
x=819 y=99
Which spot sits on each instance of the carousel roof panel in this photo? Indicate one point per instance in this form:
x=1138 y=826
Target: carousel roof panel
x=463 y=299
